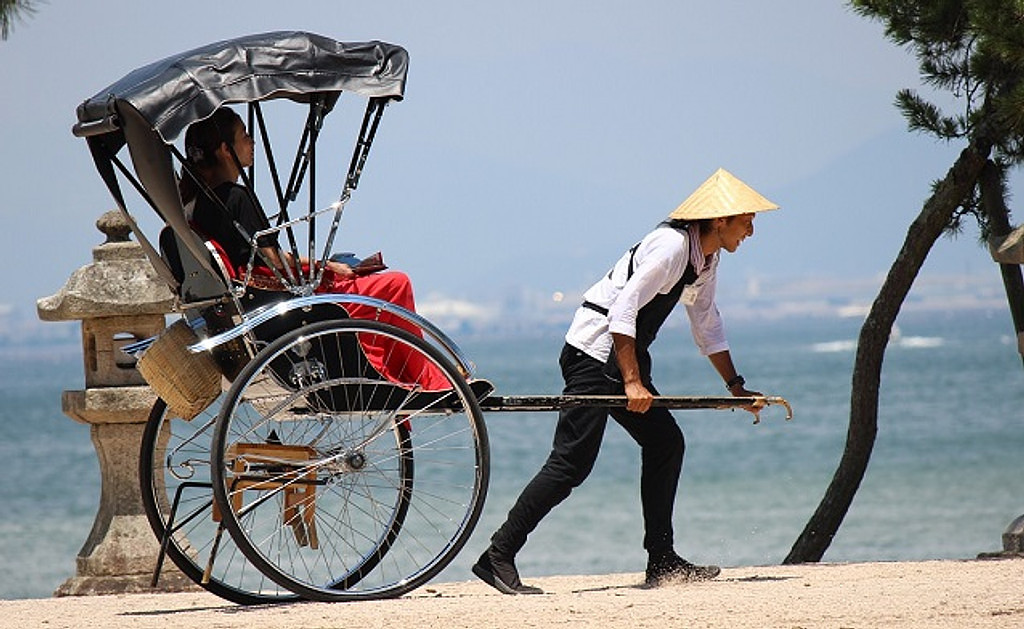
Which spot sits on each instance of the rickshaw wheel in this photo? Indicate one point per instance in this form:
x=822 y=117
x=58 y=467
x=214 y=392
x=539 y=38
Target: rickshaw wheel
x=313 y=458
x=174 y=461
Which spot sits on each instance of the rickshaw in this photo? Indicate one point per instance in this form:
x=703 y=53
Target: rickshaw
x=334 y=478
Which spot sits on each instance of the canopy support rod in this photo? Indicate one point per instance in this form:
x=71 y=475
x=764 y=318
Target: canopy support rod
x=367 y=132
x=304 y=158
x=275 y=177
x=316 y=114
x=282 y=202
x=371 y=119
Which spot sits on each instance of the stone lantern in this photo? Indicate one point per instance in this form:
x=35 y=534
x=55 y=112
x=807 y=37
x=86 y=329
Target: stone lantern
x=119 y=299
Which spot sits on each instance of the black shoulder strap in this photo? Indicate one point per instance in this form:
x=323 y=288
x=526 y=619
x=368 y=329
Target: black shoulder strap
x=629 y=271
x=677 y=225
x=690 y=274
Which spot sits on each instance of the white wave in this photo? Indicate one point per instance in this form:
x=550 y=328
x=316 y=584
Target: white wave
x=829 y=347
x=914 y=342
x=908 y=342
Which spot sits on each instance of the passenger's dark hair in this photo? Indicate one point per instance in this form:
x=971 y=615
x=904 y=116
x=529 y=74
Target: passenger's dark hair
x=202 y=139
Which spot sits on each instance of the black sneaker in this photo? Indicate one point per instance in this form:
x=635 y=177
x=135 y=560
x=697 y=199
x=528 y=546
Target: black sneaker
x=501 y=574
x=672 y=567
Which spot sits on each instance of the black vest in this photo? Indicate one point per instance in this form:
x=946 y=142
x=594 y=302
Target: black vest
x=649 y=320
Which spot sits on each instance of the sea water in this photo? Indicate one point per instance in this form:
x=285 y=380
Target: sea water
x=943 y=481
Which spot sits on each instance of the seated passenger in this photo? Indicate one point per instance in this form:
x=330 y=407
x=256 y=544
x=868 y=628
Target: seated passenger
x=209 y=145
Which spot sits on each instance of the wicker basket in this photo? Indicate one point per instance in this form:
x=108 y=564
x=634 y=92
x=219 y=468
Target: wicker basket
x=187 y=381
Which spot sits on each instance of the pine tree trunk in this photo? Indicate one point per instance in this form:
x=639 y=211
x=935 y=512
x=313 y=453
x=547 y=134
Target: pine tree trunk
x=874 y=336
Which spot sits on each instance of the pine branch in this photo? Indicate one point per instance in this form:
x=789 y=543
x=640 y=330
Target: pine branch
x=924 y=116
x=12 y=11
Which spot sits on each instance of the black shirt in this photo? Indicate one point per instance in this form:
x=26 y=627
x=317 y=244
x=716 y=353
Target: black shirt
x=212 y=221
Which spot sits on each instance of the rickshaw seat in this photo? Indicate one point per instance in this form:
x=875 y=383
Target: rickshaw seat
x=196 y=283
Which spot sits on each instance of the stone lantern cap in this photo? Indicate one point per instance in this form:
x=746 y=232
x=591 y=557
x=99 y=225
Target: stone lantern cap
x=1009 y=249
x=120 y=281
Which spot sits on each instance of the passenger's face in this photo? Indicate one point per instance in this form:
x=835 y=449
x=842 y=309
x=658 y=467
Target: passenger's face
x=243 y=145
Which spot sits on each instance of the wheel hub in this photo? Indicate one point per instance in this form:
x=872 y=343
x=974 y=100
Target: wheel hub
x=355 y=461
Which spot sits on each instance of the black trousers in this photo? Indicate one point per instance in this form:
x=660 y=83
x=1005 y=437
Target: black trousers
x=576 y=444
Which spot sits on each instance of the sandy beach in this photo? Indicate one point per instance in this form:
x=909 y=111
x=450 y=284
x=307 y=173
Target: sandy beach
x=933 y=594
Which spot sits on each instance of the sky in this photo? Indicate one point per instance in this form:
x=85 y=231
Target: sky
x=537 y=140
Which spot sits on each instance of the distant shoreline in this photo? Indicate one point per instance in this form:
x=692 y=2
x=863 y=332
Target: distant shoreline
x=752 y=300
x=63 y=339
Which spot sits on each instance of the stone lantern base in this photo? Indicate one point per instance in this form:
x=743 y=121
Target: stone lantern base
x=120 y=553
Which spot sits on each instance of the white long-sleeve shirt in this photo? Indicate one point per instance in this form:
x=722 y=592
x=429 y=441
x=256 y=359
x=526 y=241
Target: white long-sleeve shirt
x=658 y=264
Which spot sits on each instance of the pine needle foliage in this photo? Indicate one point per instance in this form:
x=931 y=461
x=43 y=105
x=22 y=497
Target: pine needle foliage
x=12 y=11
x=974 y=51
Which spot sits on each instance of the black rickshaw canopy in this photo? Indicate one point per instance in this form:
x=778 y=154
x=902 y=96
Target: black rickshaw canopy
x=174 y=92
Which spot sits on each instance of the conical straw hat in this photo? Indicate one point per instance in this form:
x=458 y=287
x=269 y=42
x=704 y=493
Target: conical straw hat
x=721 y=195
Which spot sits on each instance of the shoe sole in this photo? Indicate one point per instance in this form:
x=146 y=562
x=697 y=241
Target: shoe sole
x=492 y=580
x=684 y=578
